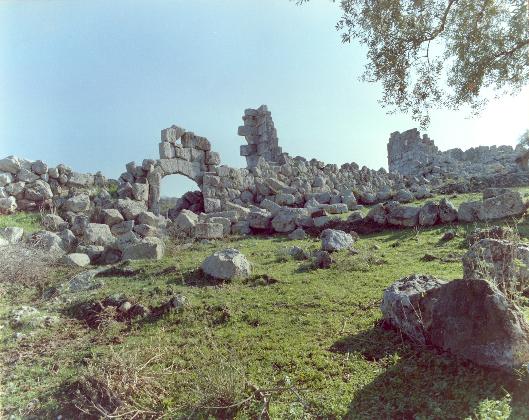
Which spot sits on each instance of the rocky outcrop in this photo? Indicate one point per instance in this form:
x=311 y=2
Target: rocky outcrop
x=469 y=318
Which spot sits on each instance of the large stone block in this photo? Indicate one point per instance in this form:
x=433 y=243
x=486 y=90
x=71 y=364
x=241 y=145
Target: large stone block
x=171 y=134
x=209 y=230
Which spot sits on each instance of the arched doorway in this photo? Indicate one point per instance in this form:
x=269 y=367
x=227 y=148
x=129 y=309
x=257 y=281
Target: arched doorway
x=178 y=192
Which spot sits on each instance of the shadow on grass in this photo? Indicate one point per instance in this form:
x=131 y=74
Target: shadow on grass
x=424 y=382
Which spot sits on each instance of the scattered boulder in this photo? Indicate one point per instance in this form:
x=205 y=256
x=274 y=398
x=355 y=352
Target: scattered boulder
x=130 y=209
x=297 y=234
x=469 y=318
x=226 y=265
x=448 y=235
x=335 y=240
x=76 y=260
x=48 y=241
x=322 y=259
x=84 y=281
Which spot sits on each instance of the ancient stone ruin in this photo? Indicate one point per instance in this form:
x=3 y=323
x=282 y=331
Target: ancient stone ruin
x=120 y=219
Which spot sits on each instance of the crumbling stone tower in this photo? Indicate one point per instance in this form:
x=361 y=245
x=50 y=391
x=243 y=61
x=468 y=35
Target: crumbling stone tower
x=261 y=135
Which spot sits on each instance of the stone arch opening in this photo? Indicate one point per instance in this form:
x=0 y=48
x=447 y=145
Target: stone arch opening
x=179 y=192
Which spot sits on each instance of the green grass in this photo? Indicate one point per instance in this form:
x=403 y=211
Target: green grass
x=30 y=222
x=311 y=338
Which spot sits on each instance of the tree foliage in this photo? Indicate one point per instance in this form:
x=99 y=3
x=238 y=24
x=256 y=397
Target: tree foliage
x=440 y=53
x=524 y=139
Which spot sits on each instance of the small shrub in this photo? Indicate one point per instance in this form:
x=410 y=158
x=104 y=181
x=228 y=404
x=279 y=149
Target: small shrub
x=26 y=265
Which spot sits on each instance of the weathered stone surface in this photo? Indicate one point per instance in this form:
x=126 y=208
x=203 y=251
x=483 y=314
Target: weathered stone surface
x=77 y=179
x=146 y=230
x=25 y=175
x=429 y=214
x=297 y=234
x=148 y=248
x=130 y=209
x=468 y=211
x=335 y=240
x=509 y=204
x=209 y=231
x=10 y=164
x=122 y=228
x=500 y=261
x=172 y=134
x=260 y=219
x=403 y=216
x=76 y=260
x=39 y=167
x=322 y=259
x=97 y=234
x=404 y=196
x=11 y=235
x=48 y=241
x=447 y=211
x=186 y=221
x=241 y=228
x=377 y=214
x=38 y=191
x=111 y=217
x=226 y=265
x=85 y=281
x=469 y=318
x=355 y=217
x=54 y=222
x=5 y=179
x=78 y=203
x=69 y=240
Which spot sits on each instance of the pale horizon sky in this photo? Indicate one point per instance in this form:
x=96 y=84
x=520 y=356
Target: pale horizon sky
x=91 y=84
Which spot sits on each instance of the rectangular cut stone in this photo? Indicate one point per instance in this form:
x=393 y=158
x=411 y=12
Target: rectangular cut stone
x=211 y=180
x=212 y=158
x=246 y=130
x=197 y=155
x=182 y=152
x=188 y=139
x=224 y=171
x=81 y=180
x=209 y=230
x=212 y=205
x=166 y=150
x=202 y=143
x=248 y=149
x=250 y=112
x=172 y=134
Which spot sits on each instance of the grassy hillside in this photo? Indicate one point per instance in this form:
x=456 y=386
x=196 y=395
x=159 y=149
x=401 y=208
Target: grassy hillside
x=293 y=341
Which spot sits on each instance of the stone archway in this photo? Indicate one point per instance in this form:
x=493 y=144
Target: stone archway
x=181 y=153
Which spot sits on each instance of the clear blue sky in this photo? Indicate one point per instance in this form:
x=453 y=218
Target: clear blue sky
x=92 y=83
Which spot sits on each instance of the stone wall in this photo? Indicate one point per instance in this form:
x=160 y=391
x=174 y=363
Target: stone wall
x=409 y=154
